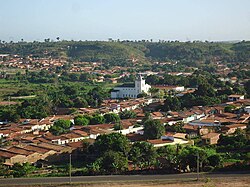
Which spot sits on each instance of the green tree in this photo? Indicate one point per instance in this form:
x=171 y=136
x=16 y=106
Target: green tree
x=229 y=108
x=111 y=142
x=60 y=127
x=21 y=170
x=111 y=118
x=169 y=154
x=114 y=162
x=81 y=120
x=215 y=160
x=142 y=154
x=118 y=126
x=172 y=103
x=153 y=129
x=247 y=87
x=80 y=102
x=9 y=114
x=177 y=127
x=127 y=114
x=97 y=119
x=205 y=90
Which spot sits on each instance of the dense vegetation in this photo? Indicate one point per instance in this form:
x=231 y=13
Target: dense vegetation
x=122 y=52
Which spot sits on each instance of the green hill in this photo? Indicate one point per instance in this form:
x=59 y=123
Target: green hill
x=121 y=53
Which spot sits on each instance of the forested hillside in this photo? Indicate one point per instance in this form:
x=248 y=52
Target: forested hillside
x=122 y=53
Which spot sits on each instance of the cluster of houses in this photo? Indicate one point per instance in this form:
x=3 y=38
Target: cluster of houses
x=30 y=139
x=30 y=62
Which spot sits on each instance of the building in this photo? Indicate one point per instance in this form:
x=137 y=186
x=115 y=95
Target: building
x=131 y=90
x=235 y=97
x=229 y=129
x=210 y=138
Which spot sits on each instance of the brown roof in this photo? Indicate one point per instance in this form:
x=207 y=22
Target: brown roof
x=135 y=137
x=50 y=146
x=6 y=154
x=210 y=135
x=236 y=125
x=36 y=149
x=157 y=114
x=80 y=132
x=190 y=127
x=19 y=150
x=159 y=141
x=78 y=144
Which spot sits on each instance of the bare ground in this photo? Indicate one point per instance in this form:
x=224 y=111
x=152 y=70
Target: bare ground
x=218 y=182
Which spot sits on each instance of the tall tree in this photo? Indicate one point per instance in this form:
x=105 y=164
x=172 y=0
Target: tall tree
x=153 y=129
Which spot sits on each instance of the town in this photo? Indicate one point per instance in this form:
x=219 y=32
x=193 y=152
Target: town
x=88 y=118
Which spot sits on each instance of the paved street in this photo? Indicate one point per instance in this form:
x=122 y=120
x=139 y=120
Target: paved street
x=113 y=178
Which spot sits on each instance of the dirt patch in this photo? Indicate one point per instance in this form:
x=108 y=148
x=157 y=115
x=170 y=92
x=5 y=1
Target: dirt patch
x=218 y=182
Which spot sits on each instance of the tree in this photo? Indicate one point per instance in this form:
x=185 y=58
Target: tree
x=111 y=142
x=80 y=103
x=127 y=114
x=96 y=96
x=81 y=120
x=21 y=170
x=9 y=114
x=111 y=118
x=205 y=89
x=153 y=91
x=97 y=119
x=60 y=127
x=153 y=129
x=143 y=94
x=229 y=108
x=4 y=170
x=177 y=127
x=247 y=87
x=215 y=160
x=118 y=126
x=142 y=154
x=37 y=108
x=114 y=162
x=152 y=79
x=172 y=103
x=169 y=153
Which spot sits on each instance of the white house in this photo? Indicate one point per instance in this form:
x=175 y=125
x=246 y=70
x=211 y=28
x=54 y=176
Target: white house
x=131 y=90
x=247 y=109
x=235 y=97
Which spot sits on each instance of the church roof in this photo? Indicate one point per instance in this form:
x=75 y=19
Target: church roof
x=129 y=85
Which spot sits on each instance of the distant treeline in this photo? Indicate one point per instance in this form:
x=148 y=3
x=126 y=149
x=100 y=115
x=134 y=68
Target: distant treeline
x=123 y=52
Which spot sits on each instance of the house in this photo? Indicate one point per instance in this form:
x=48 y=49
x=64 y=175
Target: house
x=44 y=152
x=229 y=129
x=11 y=158
x=131 y=90
x=191 y=115
x=168 y=88
x=31 y=156
x=235 y=97
x=247 y=109
x=129 y=127
x=210 y=138
x=95 y=130
x=172 y=139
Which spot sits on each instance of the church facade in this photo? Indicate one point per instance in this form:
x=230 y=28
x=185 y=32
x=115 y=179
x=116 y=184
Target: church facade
x=131 y=90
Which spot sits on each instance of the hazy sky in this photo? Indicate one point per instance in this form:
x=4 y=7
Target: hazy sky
x=125 y=19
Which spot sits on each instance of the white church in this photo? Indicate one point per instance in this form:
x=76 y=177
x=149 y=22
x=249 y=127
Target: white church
x=131 y=90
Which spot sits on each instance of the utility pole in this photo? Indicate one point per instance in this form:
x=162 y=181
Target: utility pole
x=9 y=101
x=198 y=165
x=70 y=180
